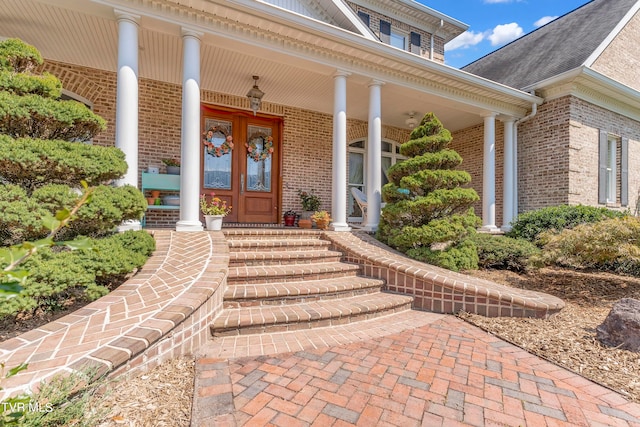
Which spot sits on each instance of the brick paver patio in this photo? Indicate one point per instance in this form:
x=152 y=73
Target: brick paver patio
x=439 y=371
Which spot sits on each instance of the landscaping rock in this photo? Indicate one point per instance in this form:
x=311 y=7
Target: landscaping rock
x=621 y=328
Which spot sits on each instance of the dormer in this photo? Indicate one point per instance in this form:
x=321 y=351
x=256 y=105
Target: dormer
x=409 y=25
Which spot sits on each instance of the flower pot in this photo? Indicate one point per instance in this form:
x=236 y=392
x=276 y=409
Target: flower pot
x=213 y=222
x=304 y=223
x=155 y=193
x=289 y=220
x=151 y=201
x=322 y=224
x=173 y=170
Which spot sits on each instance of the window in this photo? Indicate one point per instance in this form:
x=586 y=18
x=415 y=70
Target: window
x=613 y=170
x=358 y=170
x=364 y=17
x=398 y=39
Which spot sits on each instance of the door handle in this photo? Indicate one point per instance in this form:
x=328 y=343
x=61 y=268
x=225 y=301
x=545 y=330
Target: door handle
x=241 y=183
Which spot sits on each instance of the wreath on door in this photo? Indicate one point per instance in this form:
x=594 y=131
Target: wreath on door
x=252 y=148
x=224 y=148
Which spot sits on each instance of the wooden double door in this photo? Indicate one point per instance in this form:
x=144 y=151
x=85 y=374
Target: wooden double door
x=241 y=163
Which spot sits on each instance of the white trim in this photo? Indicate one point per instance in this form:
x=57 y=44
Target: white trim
x=355 y=19
x=612 y=35
x=353 y=52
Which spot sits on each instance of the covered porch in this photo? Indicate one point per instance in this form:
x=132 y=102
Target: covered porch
x=153 y=72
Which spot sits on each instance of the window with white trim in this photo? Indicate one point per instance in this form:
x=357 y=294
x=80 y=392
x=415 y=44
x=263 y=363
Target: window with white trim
x=613 y=174
x=398 y=39
x=358 y=170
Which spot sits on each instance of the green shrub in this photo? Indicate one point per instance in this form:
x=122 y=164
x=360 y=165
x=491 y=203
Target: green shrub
x=18 y=56
x=46 y=85
x=21 y=218
x=557 y=218
x=608 y=245
x=428 y=214
x=461 y=256
x=22 y=215
x=37 y=117
x=32 y=163
x=503 y=253
x=56 y=275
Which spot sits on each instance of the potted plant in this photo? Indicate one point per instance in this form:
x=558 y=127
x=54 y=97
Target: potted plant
x=310 y=203
x=290 y=218
x=322 y=219
x=173 y=166
x=214 y=210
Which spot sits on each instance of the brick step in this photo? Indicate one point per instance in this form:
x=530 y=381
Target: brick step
x=274 y=318
x=271 y=233
x=276 y=244
x=290 y=272
x=297 y=292
x=282 y=258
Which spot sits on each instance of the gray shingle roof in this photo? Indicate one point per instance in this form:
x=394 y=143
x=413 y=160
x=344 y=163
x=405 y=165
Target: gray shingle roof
x=559 y=46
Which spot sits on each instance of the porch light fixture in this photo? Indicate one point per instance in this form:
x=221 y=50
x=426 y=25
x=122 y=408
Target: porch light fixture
x=411 y=121
x=255 y=96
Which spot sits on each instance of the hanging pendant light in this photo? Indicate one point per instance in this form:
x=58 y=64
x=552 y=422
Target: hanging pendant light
x=255 y=96
x=411 y=121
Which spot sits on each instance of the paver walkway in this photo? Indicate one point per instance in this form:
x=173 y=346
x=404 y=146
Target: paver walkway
x=437 y=371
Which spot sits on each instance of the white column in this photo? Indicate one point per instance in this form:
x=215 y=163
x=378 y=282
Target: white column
x=514 y=208
x=339 y=176
x=489 y=175
x=508 y=180
x=374 y=156
x=190 y=143
x=127 y=101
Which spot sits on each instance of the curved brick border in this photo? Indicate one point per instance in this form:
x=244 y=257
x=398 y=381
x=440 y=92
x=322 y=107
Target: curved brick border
x=439 y=290
x=162 y=312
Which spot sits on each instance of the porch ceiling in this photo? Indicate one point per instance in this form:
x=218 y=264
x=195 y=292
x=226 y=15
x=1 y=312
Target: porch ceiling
x=85 y=33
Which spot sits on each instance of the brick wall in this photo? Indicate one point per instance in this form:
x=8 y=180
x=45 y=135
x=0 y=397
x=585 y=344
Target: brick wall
x=621 y=59
x=469 y=143
x=307 y=137
x=425 y=37
x=586 y=122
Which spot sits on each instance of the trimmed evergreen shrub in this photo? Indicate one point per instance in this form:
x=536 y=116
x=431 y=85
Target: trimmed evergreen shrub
x=608 y=245
x=504 y=253
x=43 y=163
x=32 y=163
x=428 y=215
x=529 y=225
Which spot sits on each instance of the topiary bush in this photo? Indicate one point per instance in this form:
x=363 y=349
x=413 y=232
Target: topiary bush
x=428 y=214
x=608 y=245
x=529 y=225
x=43 y=164
x=504 y=253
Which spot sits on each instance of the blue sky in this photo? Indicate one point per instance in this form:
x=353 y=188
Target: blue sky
x=494 y=23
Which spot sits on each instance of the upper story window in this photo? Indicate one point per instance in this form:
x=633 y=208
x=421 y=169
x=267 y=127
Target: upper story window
x=398 y=39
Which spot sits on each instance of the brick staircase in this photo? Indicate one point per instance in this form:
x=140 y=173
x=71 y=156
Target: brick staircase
x=281 y=280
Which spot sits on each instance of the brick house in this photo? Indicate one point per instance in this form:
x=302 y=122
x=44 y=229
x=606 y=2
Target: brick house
x=583 y=142
x=342 y=84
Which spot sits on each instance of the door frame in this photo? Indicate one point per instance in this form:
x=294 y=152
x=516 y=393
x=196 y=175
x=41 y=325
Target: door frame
x=277 y=121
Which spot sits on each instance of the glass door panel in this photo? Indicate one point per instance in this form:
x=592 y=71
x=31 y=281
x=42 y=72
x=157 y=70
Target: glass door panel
x=259 y=151
x=217 y=155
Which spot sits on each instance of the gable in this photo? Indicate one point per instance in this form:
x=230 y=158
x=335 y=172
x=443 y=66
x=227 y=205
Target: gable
x=620 y=60
x=327 y=11
x=560 y=46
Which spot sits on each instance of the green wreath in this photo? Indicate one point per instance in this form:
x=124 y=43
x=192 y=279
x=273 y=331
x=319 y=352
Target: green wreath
x=224 y=148
x=255 y=154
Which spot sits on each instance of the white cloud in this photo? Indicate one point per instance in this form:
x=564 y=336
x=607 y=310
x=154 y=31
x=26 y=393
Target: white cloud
x=503 y=34
x=544 y=20
x=464 y=40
